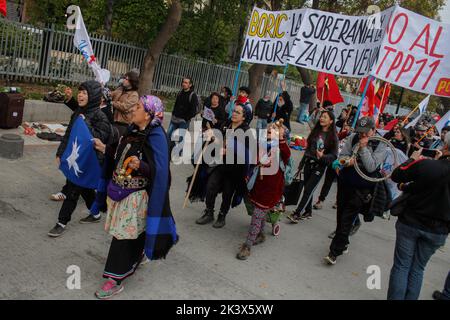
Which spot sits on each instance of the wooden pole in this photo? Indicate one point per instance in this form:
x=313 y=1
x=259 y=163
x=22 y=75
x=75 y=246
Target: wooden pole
x=381 y=104
x=409 y=114
x=426 y=133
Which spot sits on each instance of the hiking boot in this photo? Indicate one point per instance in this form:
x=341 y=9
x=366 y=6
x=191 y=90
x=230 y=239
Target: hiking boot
x=437 y=295
x=244 y=252
x=260 y=238
x=90 y=219
x=331 y=235
x=294 y=217
x=56 y=231
x=220 y=222
x=318 y=205
x=330 y=259
x=108 y=289
x=206 y=218
x=354 y=229
x=306 y=215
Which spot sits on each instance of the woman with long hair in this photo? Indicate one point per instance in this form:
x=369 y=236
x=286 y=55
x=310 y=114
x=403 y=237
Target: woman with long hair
x=321 y=151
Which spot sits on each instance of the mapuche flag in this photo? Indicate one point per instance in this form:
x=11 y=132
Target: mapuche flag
x=328 y=88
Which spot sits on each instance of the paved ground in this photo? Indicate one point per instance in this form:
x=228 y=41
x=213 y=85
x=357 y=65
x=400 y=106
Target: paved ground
x=201 y=266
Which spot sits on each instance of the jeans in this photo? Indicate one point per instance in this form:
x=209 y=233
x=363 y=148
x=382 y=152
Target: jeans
x=172 y=128
x=413 y=250
x=302 y=112
x=446 y=291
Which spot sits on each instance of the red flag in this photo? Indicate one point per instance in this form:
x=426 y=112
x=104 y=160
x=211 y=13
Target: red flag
x=328 y=88
x=3 y=7
x=370 y=96
x=382 y=93
x=391 y=124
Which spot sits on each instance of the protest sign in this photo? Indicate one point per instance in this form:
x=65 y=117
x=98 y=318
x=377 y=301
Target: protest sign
x=270 y=35
x=415 y=54
x=339 y=44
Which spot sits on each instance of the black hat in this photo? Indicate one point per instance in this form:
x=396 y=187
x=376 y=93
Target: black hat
x=365 y=124
x=245 y=89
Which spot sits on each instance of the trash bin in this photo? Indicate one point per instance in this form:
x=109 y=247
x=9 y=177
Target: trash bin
x=11 y=110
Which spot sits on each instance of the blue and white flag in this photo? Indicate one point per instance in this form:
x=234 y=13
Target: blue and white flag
x=79 y=161
x=422 y=106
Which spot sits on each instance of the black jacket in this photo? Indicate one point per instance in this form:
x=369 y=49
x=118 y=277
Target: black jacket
x=284 y=112
x=95 y=119
x=264 y=109
x=428 y=184
x=186 y=105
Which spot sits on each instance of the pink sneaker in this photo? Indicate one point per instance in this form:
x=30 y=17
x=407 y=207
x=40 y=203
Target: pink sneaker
x=109 y=289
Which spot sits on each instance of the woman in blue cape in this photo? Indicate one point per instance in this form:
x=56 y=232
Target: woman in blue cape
x=138 y=216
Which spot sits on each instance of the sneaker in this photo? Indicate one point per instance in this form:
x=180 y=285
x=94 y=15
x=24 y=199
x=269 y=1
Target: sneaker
x=355 y=228
x=335 y=205
x=90 y=219
x=244 y=252
x=58 y=196
x=206 y=218
x=306 y=215
x=318 y=205
x=331 y=235
x=294 y=217
x=57 y=230
x=260 y=238
x=109 y=289
x=330 y=259
x=144 y=261
x=220 y=222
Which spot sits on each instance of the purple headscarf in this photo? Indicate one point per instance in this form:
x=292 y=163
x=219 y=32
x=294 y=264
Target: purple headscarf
x=153 y=106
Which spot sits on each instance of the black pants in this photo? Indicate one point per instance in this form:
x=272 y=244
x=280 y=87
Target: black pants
x=350 y=202
x=330 y=175
x=313 y=172
x=73 y=193
x=219 y=181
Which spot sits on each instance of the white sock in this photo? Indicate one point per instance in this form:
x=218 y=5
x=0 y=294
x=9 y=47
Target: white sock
x=62 y=225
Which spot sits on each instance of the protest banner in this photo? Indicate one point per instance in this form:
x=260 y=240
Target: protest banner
x=339 y=44
x=270 y=35
x=415 y=54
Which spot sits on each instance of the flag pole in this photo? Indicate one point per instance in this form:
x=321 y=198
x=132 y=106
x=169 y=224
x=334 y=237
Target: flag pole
x=361 y=101
x=426 y=133
x=279 y=91
x=381 y=104
x=411 y=113
x=235 y=85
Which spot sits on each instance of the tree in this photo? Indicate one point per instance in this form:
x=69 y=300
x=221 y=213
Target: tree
x=109 y=17
x=157 y=46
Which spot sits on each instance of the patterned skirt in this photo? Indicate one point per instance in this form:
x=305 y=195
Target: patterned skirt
x=126 y=219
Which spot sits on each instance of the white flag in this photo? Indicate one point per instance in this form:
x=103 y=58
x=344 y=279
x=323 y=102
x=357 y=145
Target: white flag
x=422 y=106
x=82 y=41
x=443 y=122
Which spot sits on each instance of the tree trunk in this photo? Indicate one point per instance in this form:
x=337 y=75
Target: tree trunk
x=108 y=17
x=255 y=78
x=157 y=46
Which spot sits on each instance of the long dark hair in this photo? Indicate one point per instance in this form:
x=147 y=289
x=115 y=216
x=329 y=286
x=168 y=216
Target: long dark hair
x=331 y=141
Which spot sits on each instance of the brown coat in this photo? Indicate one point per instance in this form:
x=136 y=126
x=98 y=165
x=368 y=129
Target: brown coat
x=122 y=103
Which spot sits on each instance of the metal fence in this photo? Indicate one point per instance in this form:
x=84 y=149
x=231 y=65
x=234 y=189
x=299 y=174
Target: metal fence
x=48 y=54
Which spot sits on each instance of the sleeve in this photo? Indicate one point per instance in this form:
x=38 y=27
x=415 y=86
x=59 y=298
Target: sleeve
x=144 y=169
x=423 y=172
x=101 y=128
x=72 y=104
x=157 y=142
x=194 y=104
x=331 y=155
x=126 y=105
x=347 y=149
x=285 y=151
x=372 y=160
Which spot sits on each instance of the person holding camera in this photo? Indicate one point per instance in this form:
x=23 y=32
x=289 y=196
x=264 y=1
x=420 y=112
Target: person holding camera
x=424 y=222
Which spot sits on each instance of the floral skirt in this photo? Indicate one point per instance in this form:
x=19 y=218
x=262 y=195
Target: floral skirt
x=126 y=219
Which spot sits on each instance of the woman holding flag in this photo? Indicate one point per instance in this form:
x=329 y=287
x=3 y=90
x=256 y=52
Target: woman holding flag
x=139 y=216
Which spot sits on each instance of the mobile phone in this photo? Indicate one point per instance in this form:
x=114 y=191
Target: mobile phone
x=430 y=153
